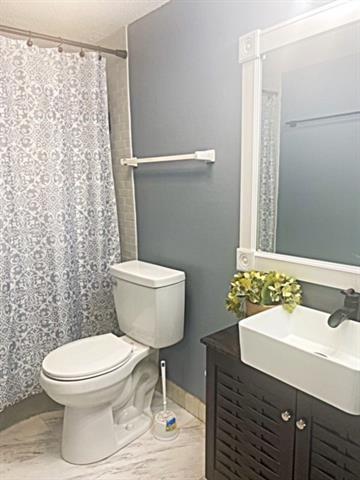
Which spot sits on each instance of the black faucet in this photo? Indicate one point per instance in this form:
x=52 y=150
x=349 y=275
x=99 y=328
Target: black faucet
x=350 y=311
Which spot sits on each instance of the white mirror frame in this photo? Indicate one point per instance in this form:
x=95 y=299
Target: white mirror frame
x=251 y=48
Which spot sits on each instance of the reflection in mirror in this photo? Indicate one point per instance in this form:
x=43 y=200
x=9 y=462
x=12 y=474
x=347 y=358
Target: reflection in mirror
x=309 y=169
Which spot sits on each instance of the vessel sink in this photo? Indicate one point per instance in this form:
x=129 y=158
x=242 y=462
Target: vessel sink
x=301 y=350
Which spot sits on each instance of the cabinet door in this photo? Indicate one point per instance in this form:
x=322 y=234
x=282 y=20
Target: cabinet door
x=328 y=447
x=247 y=439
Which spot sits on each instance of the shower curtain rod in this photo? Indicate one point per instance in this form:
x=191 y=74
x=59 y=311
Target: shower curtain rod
x=62 y=41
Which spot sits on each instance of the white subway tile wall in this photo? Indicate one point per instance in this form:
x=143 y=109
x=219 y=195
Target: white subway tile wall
x=119 y=109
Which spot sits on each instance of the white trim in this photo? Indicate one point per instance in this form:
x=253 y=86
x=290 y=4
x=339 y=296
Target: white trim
x=245 y=259
x=315 y=22
x=251 y=47
x=250 y=134
x=309 y=270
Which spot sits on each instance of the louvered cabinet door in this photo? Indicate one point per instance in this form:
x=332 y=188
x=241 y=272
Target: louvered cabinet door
x=247 y=438
x=328 y=448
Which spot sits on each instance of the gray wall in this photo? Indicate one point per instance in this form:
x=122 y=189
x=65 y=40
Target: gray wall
x=185 y=85
x=317 y=210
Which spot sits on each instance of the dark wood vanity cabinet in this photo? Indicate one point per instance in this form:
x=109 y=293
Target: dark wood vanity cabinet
x=329 y=447
x=258 y=428
x=246 y=437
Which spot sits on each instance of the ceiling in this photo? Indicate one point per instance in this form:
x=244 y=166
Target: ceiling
x=83 y=20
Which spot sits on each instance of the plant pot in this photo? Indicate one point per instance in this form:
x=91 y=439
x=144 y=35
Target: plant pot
x=254 y=308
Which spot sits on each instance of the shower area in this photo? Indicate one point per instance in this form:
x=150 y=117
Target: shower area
x=67 y=208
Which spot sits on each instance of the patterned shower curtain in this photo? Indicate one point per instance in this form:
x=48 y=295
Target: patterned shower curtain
x=58 y=223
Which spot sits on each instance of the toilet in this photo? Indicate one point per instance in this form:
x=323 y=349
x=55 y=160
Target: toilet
x=106 y=382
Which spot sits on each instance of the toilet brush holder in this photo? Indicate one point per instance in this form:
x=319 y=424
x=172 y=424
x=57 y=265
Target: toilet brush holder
x=165 y=426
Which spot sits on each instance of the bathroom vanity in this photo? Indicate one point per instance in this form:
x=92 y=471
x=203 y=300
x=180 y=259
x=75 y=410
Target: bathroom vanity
x=259 y=428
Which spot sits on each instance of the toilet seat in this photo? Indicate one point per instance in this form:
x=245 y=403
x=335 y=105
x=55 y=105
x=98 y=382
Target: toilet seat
x=87 y=358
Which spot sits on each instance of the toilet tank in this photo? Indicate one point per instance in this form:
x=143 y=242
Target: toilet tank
x=149 y=301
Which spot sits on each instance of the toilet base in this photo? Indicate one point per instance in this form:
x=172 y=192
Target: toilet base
x=90 y=435
x=94 y=433
x=127 y=433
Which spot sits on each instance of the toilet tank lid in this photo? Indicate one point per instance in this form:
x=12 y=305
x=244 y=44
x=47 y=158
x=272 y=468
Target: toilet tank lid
x=146 y=274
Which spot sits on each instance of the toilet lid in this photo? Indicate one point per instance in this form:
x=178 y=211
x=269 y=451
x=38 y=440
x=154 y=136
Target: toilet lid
x=87 y=358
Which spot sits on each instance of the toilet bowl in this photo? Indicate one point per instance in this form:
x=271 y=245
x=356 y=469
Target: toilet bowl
x=106 y=405
x=106 y=382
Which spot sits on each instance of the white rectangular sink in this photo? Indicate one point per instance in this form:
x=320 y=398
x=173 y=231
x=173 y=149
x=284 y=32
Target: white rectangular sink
x=301 y=350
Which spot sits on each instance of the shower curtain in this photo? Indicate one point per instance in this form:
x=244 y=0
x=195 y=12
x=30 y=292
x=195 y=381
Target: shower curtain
x=58 y=223
x=268 y=172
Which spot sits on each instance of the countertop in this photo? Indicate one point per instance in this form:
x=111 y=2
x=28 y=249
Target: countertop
x=225 y=341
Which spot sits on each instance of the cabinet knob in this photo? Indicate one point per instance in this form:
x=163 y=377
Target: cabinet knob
x=301 y=424
x=286 y=416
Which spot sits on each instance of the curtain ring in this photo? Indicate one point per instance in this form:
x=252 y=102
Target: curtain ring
x=100 y=56
x=29 y=42
x=60 y=47
x=82 y=53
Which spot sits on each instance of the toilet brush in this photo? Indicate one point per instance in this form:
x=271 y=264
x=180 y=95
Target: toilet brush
x=164 y=427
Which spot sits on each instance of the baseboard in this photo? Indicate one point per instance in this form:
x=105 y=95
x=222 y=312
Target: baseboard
x=27 y=408
x=185 y=399
x=41 y=403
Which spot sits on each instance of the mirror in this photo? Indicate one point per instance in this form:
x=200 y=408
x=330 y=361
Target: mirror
x=309 y=165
